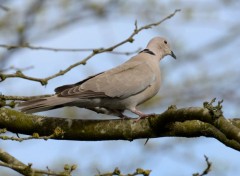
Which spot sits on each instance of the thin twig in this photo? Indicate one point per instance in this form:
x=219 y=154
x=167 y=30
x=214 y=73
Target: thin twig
x=27 y=170
x=16 y=68
x=7 y=160
x=22 y=98
x=207 y=169
x=139 y=171
x=32 y=47
x=58 y=132
x=130 y=39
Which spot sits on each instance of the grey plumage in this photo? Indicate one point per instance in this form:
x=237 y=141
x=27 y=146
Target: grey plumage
x=123 y=87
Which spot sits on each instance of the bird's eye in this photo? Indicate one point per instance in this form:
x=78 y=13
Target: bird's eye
x=165 y=41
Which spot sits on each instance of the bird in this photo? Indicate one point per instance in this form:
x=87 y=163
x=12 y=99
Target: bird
x=113 y=91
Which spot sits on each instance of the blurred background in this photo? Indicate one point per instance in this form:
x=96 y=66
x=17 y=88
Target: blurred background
x=204 y=36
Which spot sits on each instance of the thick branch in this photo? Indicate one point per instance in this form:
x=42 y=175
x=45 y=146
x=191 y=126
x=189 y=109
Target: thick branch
x=186 y=122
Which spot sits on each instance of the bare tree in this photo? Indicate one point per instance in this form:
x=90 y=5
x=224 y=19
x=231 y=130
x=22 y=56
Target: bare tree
x=40 y=20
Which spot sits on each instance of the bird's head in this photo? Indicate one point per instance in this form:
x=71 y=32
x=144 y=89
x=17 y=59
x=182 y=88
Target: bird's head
x=160 y=47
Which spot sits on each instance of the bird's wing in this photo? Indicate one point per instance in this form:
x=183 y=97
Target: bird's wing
x=121 y=82
x=64 y=87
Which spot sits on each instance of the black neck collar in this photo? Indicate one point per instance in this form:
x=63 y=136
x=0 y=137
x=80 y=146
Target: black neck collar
x=147 y=51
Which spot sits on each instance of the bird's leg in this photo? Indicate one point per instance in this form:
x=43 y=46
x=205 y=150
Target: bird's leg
x=140 y=114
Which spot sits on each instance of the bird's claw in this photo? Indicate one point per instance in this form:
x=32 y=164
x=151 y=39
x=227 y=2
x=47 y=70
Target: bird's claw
x=143 y=116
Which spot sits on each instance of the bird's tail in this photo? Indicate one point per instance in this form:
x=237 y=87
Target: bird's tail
x=43 y=104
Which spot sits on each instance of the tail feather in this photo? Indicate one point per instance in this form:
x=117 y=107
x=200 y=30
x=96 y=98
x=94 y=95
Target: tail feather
x=43 y=104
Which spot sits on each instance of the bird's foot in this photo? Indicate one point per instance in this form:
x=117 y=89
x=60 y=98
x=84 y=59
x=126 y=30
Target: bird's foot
x=141 y=114
x=144 y=116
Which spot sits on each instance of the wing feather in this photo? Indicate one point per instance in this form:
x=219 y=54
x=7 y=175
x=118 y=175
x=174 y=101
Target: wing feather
x=120 y=82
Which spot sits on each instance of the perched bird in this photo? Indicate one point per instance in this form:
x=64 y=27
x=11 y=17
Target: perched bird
x=113 y=91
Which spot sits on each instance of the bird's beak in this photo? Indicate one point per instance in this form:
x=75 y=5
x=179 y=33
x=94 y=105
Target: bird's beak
x=173 y=55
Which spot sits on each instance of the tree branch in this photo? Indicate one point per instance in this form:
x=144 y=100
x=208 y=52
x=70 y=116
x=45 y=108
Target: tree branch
x=9 y=161
x=22 y=98
x=130 y=39
x=32 y=47
x=6 y=160
x=10 y=100
x=185 y=122
x=117 y=172
x=207 y=170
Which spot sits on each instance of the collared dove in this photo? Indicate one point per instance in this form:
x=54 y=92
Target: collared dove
x=115 y=90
